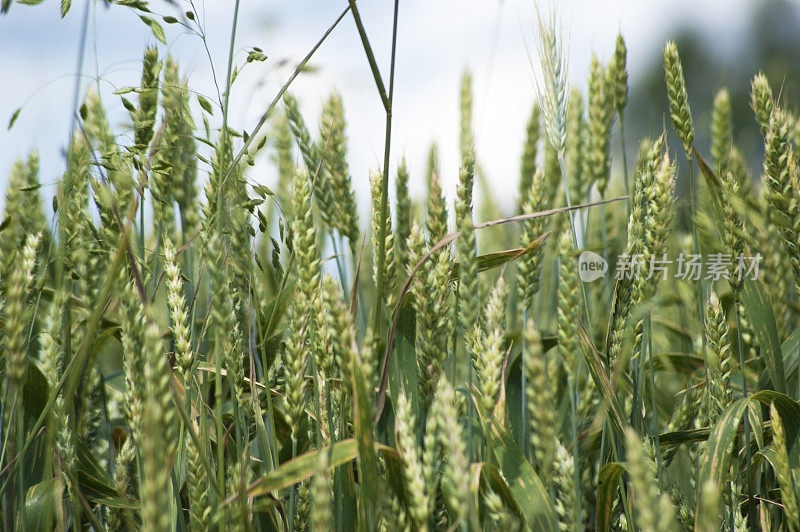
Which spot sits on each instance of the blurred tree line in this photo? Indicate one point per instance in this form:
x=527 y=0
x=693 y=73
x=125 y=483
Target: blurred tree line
x=770 y=43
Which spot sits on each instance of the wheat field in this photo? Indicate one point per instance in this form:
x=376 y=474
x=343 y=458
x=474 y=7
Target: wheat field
x=184 y=348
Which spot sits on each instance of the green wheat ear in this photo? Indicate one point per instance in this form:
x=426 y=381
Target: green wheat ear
x=761 y=101
x=619 y=75
x=455 y=472
x=578 y=164
x=654 y=510
x=721 y=133
x=783 y=470
x=489 y=357
x=780 y=172
x=17 y=314
x=144 y=119
x=333 y=140
x=404 y=215
x=678 y=99
x=528 y=159
x=414 y=473
x=600 y=107
x=540 y=401
x=569 y=327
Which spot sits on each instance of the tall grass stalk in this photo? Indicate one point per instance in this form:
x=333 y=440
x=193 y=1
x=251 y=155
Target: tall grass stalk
x=213 y=374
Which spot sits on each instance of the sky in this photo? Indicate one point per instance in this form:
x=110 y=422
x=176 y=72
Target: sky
x=437 y=41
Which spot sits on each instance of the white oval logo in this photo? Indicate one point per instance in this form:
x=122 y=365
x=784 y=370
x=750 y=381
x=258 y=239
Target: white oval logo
x=591 y=266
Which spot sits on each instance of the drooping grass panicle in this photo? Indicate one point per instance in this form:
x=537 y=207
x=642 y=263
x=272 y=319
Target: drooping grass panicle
x=678 y=98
